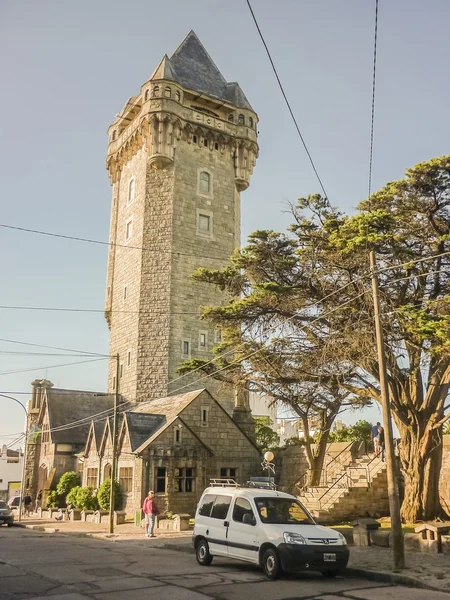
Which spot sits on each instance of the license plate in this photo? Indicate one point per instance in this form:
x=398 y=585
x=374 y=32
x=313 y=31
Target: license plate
x=329 y=557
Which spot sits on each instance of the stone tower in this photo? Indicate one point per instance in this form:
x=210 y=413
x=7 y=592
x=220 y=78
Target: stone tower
x=180 y=153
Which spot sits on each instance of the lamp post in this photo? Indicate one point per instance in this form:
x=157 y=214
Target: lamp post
x=24 y=452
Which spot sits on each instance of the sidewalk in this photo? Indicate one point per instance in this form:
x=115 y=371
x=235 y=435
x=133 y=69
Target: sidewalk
x=423 y=570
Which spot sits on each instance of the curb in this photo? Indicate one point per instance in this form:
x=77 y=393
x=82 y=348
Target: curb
x=392 y=578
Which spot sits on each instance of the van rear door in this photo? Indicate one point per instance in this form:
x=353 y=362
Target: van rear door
x=217 y=525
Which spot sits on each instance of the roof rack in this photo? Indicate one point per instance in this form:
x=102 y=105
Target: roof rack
x=223 y=483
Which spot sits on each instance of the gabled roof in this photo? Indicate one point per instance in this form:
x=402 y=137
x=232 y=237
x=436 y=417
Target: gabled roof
x=142 y=426
x=65 y=407
x=170 y=407
x=192 y=67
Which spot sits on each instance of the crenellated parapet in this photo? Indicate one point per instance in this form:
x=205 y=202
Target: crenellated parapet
x=165 y=114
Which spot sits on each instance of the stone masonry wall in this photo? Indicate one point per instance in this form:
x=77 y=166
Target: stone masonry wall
x=444 y=481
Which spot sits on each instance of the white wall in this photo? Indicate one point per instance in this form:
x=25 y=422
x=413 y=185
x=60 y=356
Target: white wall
x=9 y=471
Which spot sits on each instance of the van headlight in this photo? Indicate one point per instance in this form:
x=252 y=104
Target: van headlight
x=293 y=538
x=342 y=538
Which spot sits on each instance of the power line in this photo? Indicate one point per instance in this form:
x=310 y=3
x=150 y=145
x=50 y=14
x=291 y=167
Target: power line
x=373 y=95
x=102 y=243
x=81 y=362
x=96 y=310
x=286 y=100
x=11 y=353
x=52 y=347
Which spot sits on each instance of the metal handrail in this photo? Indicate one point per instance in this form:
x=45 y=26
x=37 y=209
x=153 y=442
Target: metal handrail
x=301 y=478
x=327 y=471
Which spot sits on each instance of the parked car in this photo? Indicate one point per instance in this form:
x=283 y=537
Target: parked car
x=6 y=514
x=14 y=502
x=268 y=528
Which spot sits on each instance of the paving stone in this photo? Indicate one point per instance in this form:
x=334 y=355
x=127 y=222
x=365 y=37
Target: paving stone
x=125 y=583
x=396 y=593
x=168 y=592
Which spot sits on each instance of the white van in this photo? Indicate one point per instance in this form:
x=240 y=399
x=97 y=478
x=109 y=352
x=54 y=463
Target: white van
x=268 y=528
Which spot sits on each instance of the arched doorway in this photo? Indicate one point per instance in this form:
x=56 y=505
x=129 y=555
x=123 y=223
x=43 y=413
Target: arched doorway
x=107 y=472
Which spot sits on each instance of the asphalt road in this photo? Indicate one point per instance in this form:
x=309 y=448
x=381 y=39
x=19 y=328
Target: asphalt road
x=36 y=565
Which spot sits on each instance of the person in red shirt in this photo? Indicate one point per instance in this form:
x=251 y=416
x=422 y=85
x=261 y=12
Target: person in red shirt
x=150 y=511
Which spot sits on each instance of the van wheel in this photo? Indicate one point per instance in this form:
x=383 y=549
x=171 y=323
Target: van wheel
x=330 y=574
x=271 y=564
x=202 y=553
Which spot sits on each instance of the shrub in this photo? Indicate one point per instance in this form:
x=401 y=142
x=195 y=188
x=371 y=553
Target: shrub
x=103 y=495
x=72 y=496
x=82 y=498
x=67 y=482
x=53 y=499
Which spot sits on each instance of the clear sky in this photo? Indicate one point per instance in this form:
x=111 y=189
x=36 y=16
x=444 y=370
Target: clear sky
x=68 y=67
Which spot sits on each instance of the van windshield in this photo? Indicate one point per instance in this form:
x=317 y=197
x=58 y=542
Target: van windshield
x=282 y=511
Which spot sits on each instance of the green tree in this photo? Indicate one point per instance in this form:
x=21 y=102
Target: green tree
x=67 y=482
x=103 y=494
x=299 y=322
x=266 y=437
x=359 y=432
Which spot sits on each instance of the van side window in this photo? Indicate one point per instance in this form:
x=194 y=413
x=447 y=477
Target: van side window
x=221 y=506
x=207 y=504
x=241 y=507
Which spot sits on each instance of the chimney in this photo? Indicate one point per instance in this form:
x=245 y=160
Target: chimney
x=39 y=385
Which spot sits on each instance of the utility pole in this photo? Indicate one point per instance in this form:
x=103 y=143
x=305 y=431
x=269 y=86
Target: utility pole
x=394 y=500
x=114 y=448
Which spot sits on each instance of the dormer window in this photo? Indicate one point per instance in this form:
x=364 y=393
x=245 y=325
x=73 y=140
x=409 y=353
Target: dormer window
x=168 y=92
x=241 y=120
x=205 y=182
x=146 y=94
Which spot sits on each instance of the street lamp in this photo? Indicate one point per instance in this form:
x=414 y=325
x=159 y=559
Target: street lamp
x=24 y=452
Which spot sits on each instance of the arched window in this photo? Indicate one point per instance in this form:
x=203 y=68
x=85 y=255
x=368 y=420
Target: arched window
x=114 y=135
x=178 y=96
x=131 y=190
x=168 y=92
x=241 y=120
x=107 y=472
x=231 y=118
x=205 y=182
x=205 y=143
x=156 y=90
x=216 y=146
x=194 y=139
x=250 y=122
x=146 y=94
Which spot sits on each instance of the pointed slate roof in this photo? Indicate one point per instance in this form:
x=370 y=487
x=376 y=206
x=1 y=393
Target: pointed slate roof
x=142 y=426
x=192 y=67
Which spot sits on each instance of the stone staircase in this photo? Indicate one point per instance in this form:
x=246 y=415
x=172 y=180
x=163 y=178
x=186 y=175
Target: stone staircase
x=350 y=487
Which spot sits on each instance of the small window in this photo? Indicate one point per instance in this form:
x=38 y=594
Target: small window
x=168 y=92
x=216 y=146
x=129 y=230
x=241 y=120
x=228 y=473
x=156 y=90
x=126 y=479
x=114 y=383
x=204 y=416
x=206 y=505
x=250 y=122
x=146 y=94
x=242 y=507
x=125 y=292
x=194 y=139
x=128 y=358
x=160 y=480
x=205 y=182
x=184 y=482
x=231 y=118
x=109 y=291
x=202 y=340
x=91 y=480
x=114 y=135
x=177 y=435
x=131 y=190
x=178 y=96
x=204 y=223
x=121 y=371
x=186 y=348
x=205 y=143
x=220 y=508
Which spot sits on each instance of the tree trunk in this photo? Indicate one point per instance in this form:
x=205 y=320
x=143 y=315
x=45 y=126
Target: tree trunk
x=318 y=458
x=421 y=461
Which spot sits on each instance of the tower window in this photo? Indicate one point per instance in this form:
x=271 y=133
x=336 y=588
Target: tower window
x=216 y=146
x=186 y=348
x=114 y=383
x=204 y=416
x=231 y=118
x=178 y=96
x=131 y=190
x=250 y=122
x=125 y=292
x=128 y=358
x=241 y=120
x=156 y=90
x=114 y=135
x=194 y=139
x=121 y=371
x=205 y=143
x=204 y=223
x=146 y=94
x=129 y=230
x=205 y=182
x=168 y=92
x=202 y=339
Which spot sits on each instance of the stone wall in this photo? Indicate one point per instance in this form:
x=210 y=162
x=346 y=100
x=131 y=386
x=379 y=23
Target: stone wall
x=444 y=481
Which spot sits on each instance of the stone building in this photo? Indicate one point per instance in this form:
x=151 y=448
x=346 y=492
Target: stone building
x=175 y=446
x=180 y=153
